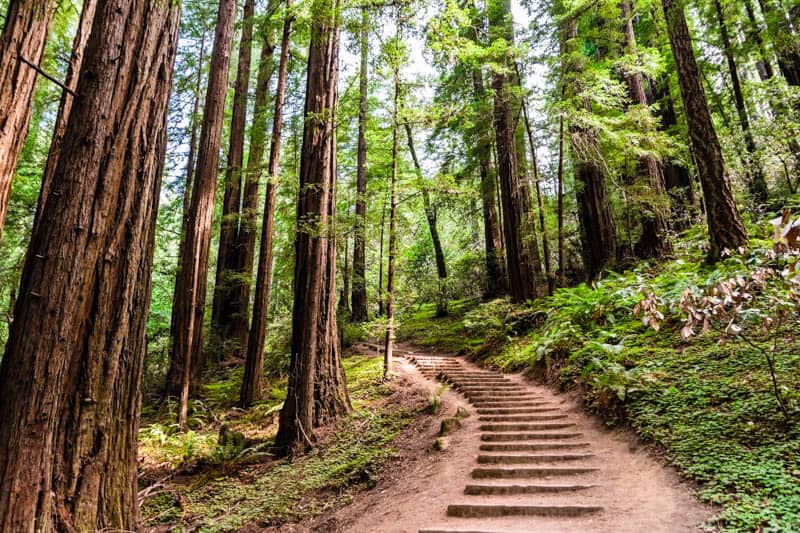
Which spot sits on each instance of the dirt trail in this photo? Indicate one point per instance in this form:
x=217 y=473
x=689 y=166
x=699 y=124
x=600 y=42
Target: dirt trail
x=526 y=460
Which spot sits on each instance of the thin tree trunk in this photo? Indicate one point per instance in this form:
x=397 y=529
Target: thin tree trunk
x=537 y=183
x=519 y=256
x=562 y=274
x=756 y=183
x=725 y=226
x=654 y=241
x=23 y=39
x=381 y=301
x=228 y=311
x=388 y=344
x=344 y=295
x=763 y=64
x=430 y=215
x=359 y=298
x=317 y=392
x=186 y=355
x=252 y=383
x=65 y=105
x=70 y=377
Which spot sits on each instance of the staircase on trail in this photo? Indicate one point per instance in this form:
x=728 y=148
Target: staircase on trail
x=531 y=463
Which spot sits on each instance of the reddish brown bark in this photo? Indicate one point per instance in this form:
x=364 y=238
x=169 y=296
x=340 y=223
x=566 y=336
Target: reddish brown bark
x=229 y=310
x=388 y=342
x=359 y=298
x=65 y=105
x=317 y=392
x=725 y=226
x=252 y=383
x=520 y=255
x=70 y=377
x=27 y=23
x=186 y=356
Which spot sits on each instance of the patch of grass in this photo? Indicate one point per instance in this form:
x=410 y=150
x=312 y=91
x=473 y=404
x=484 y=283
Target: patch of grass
x=247 y=490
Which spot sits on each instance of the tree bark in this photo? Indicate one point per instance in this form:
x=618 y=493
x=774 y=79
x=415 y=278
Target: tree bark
x=725 y=226
x=519 y=256
x=317 y=392
x=70 y=377
x=359 y=297
x=756 y=183
x=252 y=383
x=562 y=274
x=65 y=105
x=24 y=36
x=430 y=216
x=229 y=311
x=653 y=242
x=186 y=356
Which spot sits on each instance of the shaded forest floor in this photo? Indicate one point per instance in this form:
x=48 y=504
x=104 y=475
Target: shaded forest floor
x=192 y=481
x=705 y=403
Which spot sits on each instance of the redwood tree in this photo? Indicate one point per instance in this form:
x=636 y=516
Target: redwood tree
x=70 y=377
x=359 y=297
x=186 y=361
x=229 y=310
x=252 y=383
x=725 y=227
x=22 y=42
x=516 y=217
x=316 y=391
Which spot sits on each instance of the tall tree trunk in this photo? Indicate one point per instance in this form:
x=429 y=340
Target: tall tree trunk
x=65 y=105
x=228 y=311
x=359 y=298
x=344 y=295
x=562 y=274
x=381 y=301
x=654 y=241
x=186 y=355
x=495 y=274
x=753 y=32
x=784 y=40
x=252 y=383
x=539 y=202
x=70 y=377
x=430 y=216
x=756 y=183
x=519 y=256
x=598 y=231
x=725 y=226
x=317 y=391
x=23 y=40
x=388 y=344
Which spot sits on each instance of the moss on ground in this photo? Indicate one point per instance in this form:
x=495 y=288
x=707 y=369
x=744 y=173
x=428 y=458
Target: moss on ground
x=247 y=487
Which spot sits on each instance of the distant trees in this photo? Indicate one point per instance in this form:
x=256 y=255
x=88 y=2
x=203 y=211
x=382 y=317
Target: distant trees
x=70 y=377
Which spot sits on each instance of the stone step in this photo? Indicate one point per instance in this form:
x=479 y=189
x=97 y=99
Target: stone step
x=500 y=397
x=516 y=437
x=526 y=473
x=531 y=459
x=532 y=447
x=509 y=405
x=509 y=490
x=490 y=387
x=521 y=418
x=438 y=530
x=516 y=410
x=496 y=428
x=490 y=510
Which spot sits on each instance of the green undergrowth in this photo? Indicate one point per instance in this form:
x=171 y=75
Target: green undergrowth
x=706 y=401
x=250 y=488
